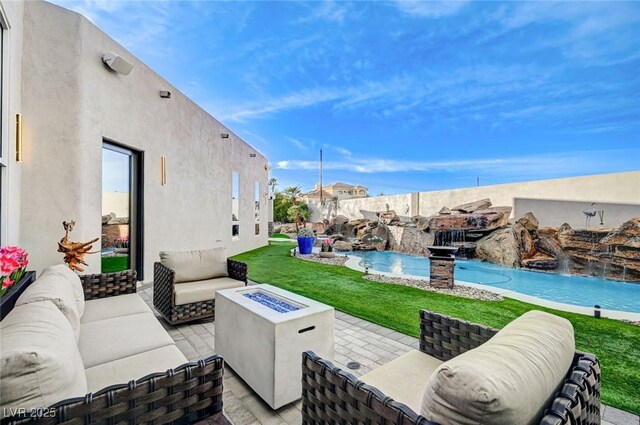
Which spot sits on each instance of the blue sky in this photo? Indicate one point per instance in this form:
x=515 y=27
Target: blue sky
x=403 y=96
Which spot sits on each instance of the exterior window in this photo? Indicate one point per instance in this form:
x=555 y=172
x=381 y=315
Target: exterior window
x=235 y=205
x=257 y=207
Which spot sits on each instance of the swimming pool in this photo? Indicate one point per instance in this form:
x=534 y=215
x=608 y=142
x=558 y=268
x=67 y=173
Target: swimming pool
x=575 y=290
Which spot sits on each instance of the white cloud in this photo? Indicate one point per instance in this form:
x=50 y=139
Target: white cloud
x=430 y=9
x=565 y=163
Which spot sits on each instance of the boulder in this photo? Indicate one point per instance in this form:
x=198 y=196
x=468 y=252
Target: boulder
x=529 y=222
x=342 y=246
x=408 y=240
x=388 y=217
x=540 y=262
x=339 y=220
x=628 y=235
x=421 y=222
x=549 y=246
x=444 y=211
x=318 y=228
x=471 y=207
x=483 y=220
x=507 y=246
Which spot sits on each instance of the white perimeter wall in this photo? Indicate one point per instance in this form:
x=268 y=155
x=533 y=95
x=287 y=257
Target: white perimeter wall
x=553 y=202
x=71 y=102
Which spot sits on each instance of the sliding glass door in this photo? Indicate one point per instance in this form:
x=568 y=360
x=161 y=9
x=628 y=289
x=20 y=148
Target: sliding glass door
x=121 y=209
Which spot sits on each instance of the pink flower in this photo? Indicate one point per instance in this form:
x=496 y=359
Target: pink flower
x=8 y=264
x=6 y=282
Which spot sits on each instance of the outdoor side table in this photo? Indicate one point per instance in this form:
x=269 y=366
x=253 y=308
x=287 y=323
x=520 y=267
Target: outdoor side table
x=262 y=331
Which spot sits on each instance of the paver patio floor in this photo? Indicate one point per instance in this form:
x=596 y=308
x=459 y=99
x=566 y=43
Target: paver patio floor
x=357 y=340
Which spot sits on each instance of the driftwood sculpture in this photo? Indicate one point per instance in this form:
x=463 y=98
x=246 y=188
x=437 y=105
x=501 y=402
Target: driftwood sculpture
x=74 y=252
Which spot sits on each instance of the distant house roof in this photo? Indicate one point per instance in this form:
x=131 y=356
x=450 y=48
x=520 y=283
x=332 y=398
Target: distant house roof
x=315 y=193
x=344 y=185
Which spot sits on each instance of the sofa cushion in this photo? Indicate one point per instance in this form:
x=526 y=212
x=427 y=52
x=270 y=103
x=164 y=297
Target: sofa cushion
x=508 y=379
x=110 y=307
x=203 y=290
x=57 y=289
x=134 y=367
x=74 y=281
x=405 y=378
x=40 y=363
x=196 y=265
x=107 y=340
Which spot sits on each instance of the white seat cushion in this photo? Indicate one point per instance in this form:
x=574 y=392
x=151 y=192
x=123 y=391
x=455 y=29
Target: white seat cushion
x=507 y=380
x=203 y=290
x=405 y=378
x=196 y=265
x=74 y=281
x=110 y=307
x=112 y=339
x=134 y=367
x=40 y=363
x=56 y=288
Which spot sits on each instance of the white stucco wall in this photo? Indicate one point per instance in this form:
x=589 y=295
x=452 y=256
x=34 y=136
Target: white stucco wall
x=72 y=101
x=11 y=105
x=553 y=201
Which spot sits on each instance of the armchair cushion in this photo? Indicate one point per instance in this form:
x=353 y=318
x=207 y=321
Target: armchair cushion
x=509 y=379
x=405 y=378
x=203 y=290
x=57 y=289
x=196 y=265
x=40 y=361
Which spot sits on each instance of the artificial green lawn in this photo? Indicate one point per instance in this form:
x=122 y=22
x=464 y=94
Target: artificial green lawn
x=115 y=264
x=616 y=344
x=280 y=236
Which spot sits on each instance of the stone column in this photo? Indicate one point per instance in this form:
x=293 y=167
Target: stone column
x=441 y=271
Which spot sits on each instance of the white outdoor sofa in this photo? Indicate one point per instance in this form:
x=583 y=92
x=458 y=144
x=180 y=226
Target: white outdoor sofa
x=91 y=349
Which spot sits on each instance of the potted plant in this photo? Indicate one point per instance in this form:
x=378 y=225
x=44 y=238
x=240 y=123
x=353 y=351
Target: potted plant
x=326 y=249
x=305 y=240
x=13 y=262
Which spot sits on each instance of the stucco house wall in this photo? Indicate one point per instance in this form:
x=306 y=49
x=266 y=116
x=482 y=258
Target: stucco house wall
x=71 y=101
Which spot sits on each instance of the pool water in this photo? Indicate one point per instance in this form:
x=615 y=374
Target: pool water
x=576 y=290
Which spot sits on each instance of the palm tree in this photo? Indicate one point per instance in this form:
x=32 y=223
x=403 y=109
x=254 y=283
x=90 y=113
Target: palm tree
x=273 y=182
x=293 y=192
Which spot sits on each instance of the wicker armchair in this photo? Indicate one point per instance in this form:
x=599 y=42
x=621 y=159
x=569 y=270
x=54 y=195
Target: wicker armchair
x=184 y=395
x=164 y=299
x=330 y=395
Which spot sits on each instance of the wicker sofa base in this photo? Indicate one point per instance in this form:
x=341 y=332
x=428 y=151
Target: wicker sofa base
x=184 y=395
x=190 y=312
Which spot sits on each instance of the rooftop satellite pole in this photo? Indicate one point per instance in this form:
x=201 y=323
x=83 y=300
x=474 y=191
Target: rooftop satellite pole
x=321 y=176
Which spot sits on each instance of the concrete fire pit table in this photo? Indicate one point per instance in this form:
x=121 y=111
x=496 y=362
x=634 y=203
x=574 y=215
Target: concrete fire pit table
x=261 y=332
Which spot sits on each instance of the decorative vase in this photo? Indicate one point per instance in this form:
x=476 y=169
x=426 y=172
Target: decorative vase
x=327 y=254
x=305 y=244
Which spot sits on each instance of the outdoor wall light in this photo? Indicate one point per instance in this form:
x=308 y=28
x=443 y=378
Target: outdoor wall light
x=252 y=155
x=117 y=63
x=224 y=135
x=163 y=170
x=19 y=137
x=165 y=94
